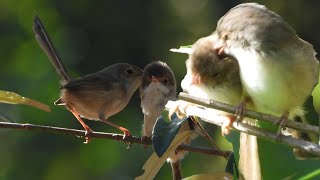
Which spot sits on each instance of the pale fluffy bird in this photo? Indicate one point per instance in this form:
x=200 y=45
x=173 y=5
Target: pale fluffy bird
x=157 y=88
x=213 y=76
x=278 y=69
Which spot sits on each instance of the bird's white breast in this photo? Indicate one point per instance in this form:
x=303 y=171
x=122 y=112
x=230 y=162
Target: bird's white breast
x=276 y=85
x=152 y=97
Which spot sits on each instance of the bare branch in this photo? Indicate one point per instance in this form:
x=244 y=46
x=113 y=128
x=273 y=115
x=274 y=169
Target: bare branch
x=214 y=118
x=288 y=140
x=102 y=135
x=248 y=113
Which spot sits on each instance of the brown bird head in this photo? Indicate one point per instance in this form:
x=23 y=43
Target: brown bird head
x=208 y=65
x=158 y=72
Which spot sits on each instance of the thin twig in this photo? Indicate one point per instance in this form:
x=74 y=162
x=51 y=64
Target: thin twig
x=207 y=136
x=248 y=113
x=102 y=135
x=288 y=140
x=214 y=118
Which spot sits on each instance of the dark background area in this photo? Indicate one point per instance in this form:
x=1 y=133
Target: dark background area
x=90 y=35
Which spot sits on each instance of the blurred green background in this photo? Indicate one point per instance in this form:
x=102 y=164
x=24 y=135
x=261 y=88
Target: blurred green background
x=90 y=35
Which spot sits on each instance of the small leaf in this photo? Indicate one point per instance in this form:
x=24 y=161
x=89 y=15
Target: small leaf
x=182 y=49
x=164 y=132
x=316 y=97
x=13 y=98
x=154 y=163
x=186 y=46
x=313 y=175
x=216 y=175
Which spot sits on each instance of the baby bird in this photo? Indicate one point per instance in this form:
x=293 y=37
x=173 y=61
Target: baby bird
x=95 y=96
x=157 y=88
x=278 y=69
x=213 y=76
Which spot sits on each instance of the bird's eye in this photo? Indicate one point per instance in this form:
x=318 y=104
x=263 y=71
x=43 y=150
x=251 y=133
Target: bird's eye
x=146 y=81
x=165 y=81
x=129 y=71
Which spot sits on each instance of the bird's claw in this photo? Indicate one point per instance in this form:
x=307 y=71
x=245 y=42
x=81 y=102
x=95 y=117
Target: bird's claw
x=126 y=134
x=282 y=124
x=179 y=108
x=240 y=110
x=87 y=136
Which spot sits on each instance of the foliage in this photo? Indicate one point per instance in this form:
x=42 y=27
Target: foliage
x=164 y=132
x=154 y=163
x=13 y=98
x=91 y=35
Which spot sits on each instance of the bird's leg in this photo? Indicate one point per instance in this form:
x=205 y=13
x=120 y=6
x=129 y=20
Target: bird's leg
x=88 y=130
x=125 y=131
x=240 y=110
x=176 y=170
x=282 y=123
x=145 y=140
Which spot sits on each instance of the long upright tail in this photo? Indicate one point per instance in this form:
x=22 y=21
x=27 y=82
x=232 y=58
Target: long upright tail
x=48 y=47
x=249 y=163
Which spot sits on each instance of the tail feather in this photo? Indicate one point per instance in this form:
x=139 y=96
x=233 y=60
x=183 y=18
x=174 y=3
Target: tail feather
x=249 y=163
x=48 y=47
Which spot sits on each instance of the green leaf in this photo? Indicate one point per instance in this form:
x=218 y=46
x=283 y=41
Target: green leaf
x=182 y=49
x=313 y=175
x=164 y=132
x=316 y=98
x=13 y=98
x=215 y=175
x=277 y=161
x=154 y=163
x=186 y=46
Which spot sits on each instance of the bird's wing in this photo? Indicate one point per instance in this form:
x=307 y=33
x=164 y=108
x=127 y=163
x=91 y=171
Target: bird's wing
x=92 y=82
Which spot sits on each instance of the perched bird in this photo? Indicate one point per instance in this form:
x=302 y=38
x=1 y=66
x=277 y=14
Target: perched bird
x=213 y=76
x=278 y=70
x=95 y=96
x=157 y=87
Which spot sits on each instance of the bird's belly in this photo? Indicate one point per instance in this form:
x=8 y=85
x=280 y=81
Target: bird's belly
x=154 y=98
x=90 y=108
x=275 y=86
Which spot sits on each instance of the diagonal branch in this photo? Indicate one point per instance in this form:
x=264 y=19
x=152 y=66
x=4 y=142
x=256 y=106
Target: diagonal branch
x=248 y=113
x=214 y=118
x=102 y=135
